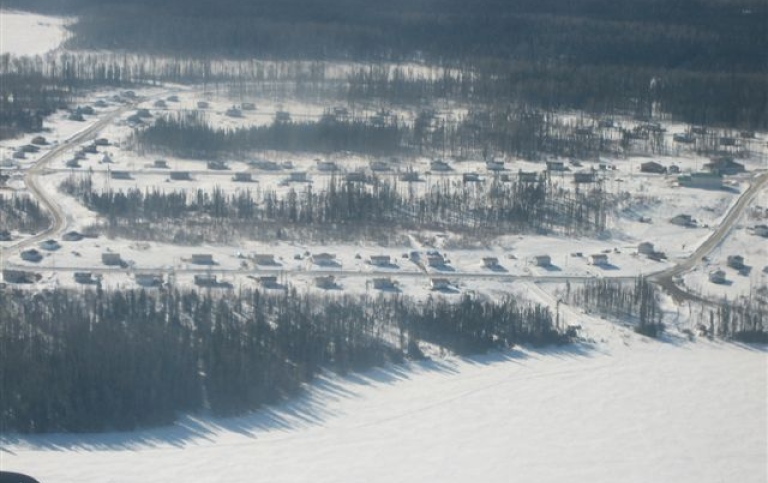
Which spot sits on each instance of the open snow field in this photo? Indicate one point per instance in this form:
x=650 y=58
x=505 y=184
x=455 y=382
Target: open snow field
x=24 y=33
x=635 y=411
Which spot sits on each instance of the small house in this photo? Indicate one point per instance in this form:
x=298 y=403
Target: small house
x=435 y=260
x=384 y=283
x=143 y=113
x=233 y=112
x=203 y=105
x=160 y=104
x=599 y=259
x=31 y=255
x=584 y=177
x=380 y=260
x=653 y=167
x=542 y=260
x=5 y=235
x=111 y=258
x=217 y=165
x=326 y=283
x=439 y=165
x=645 y=248
x=173 y=98
x=101 y=142
x=201 y=259
x=555 y=166
x=265 y=165
x=73 y=163
x=282 y=117
x=326 y=166
x=379 y=166
x=701 y=180
x=149 y=279
x=264 y=259
x=439 y=284
x=160 y=164
x=684 y=138
x=724 y=167
x=180 y=176
x=674 y=169
x=727 y=141
x=470 y=177
x=410 y=176
x=298 y=176
x=527 y=176
x=324 y=259
x=736 y=261
x=114 y=174
x=206 y=280
x=761 y=230
x=50 y=245
x=683 y=220
x=19 y=155
x=39 y=141
x=85 y=278
x=717 y=276
x=248 y=106
x=490 y=262
x=30 y=148
x=355 y=177
x=495 y=165
x=268 y=281
x=19 y=276
x=242 y=178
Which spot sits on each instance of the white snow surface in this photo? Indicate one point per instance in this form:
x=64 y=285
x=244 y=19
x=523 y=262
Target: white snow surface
x=675 y=411
x=30 y=34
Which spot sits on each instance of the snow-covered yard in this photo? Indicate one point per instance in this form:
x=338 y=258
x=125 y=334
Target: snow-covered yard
x=24 y=33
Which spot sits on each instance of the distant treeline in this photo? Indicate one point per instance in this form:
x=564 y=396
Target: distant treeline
x=95 y=360
x=22 y=213
x=493 y=207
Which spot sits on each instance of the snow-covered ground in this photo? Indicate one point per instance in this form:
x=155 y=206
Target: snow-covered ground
x=649 y=411
x=24 y=33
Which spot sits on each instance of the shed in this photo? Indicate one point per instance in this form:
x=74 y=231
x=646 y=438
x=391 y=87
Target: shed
x=217 y=165
x=206 y=280
x=435 y=260
x=439 y=165
x=264 y=259
x=584 y=177
x=380 y=260
x=599 y=259
x=248 y=106
x=149 y=279
x=384 y=283
x=379 y=166
x=328 y=282
x=5 y=235
x=160 y=163
x=717 y=276
x=242 y=177
x=268 y=281
x=324 y=259
x=761 y=230
x=410 y=176
x=31 y=255
x=101 y=142
x=282 y=117
x=119 y=174
x=645 y=248
x=542 y=260
x=160 y=104
x=39 y=141
x=233 y=112
x=203 y=105
x=106 y=159
x=653 y=167
x=111 y=258
x=701 y=180
x=495 y=165
x=470 y=177
x=180 y=176
x=683 y=220
x=439 y=283
x=84 y=277
x=298 y=176
x=490 y=262
x=72 y=163
x=50 y=245
x=736 y=261
x=326 y=166
x=555 y=166
x=527 y=176
x=724 y=167
x=201 y=259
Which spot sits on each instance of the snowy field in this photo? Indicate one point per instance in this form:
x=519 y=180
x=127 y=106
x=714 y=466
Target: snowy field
x=632 y=411
x=24 y=33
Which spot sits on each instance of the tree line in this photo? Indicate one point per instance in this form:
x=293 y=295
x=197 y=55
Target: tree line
x=22 y=213
x=98 y=360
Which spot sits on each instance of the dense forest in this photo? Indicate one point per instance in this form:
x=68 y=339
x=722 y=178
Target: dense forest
x=96 y=360
x=22 y=213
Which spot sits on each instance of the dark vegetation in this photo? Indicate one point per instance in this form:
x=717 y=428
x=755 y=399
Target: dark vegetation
x=493 y=207
x=97 y=360
x=22 y=213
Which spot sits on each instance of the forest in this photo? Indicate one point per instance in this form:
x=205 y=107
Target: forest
x=22 y=213
x=95 y=360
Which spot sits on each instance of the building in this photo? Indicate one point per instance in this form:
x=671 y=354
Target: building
x=470 y=177
x=439 y=165
x=736 y=261
x=599 y=259
x=242 y=178
x=201 y=259
x=327 y=166
x=684 y=138
x=264 y=259
x=410 y=176
x=384 y=284
x=324 y=259
x=149 y=279
x=106 y=159
x=527 y=176
x=439 y=284
x=248 y=106
x=111 y=258
x=101 y=142
x=233 y=112
x=724 y=167
x=85 y=278
x=683 y=220
x=380 y=260
x=19 y=276
x=298 y=177
x=206 y=280
x=72 y=163
x=5 y=235
x=39 y=141
x=495 y=165
x=701 y=180
x=379 y=166
x=203 y=105
x=180 y=176
x=268 y=281
x=542 y=260
x=265 y=165
x=645 y=248
x=653 y=167
x=31 y=255
x=717 y=276
x=160 y=104
x=217 y=165
x=555 y=166
x=282 y=117
x=761 y=230
x=326 y=283
x=435 y=260
x=584 y=177
x=356 y=177
x=50 y=245
x=119 y=174
x=160 y=164
x=490 y=262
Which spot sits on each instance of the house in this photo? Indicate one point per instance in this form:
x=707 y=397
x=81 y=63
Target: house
x=584 y=177
x=298 y=176
x=439 y=283
x=203 y=105
x=201 y=259
x=326 y=283
x=379 y=166
x=653 y=167
x=160 y=164
x=380 y=260
x=439 y=165
x=72 y=163
x=248 y=106
x=119 y=174
x=384 y=284
x=542 y=260
x=39 y=141
x=19 y=155
x=143 y=113
x=645 y=248
x=268 y=281
x=217 y=165
x=736 y=261
x=683 y=220
x=495 y=165
x=72 y=236
x=527 y=176
x=356 y=177
x=674 y=169
x=470 y=177
x=282 y=117
x=684 y=138
x=555 y=166
x=50 y=245
x=410 y=176
x=490 y=262
x=761 y=230
x=599 y=259
x=101 y=142
x=701 y=180
x=149 y=279
x=727 y=141
x=180 y=176
x=724 y=167
x=264 y=259
x=324 y=259
x=326 y=166
x=206 y=280
x=19 y=276
x=233 y=112
x=31 y=255
x=242 y=178
x=111 y=258
x=435 y=260
x=85 y=278
x=265 y=165
x=173 y=98
x=717 y=276
x=30 y=148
